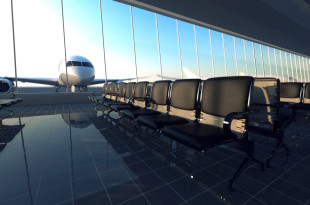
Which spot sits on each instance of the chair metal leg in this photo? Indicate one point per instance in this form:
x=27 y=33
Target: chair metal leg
x=242 y=166
x=246 y=161
x=275 y=150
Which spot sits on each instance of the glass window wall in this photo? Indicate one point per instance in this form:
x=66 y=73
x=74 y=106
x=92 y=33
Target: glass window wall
x=230 y=55
x=218 y=54
x=190 y=67
x=120 y=59
x=204 y=52
x=148 y=66
x=168 y=40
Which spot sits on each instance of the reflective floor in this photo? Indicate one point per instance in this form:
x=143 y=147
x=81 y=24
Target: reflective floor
x=74 y=154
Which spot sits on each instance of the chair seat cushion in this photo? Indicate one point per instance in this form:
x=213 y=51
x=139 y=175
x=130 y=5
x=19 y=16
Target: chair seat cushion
x=103 y=100
x=158 y=121
x=197 y=136
x=135 y=113
x=112 y=102
x=118 y=107
x=95 y=98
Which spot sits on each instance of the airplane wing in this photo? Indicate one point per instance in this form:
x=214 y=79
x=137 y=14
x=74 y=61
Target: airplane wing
x=45 y=81
x=99 y=81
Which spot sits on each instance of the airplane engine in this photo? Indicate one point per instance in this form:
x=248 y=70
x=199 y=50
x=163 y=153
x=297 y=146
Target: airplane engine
x=6 y=86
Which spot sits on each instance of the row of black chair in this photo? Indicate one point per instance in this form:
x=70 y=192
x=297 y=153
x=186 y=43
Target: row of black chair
x=204 y=114
x=296 y=95
x=198 y=114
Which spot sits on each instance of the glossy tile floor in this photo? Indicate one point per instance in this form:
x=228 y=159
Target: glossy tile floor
x=73 y=154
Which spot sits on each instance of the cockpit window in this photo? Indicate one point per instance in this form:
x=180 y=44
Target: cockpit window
x=76 y=63
x=87 y=64
x=69 y=63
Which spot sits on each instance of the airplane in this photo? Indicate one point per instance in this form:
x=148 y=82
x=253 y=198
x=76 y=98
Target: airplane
x=81 y=73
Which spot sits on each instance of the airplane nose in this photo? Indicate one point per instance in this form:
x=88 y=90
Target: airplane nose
x=81 y=75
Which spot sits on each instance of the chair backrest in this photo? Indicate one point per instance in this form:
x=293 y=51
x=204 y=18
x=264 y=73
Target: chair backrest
x=265 y=99
x=159 y=95
x=183 y=99
x=105 y=89
x=113 y=91
x=223 y=95
x=290 y=92
x=140 y=92
x=306 y=98
x=129 y=91
x=121 y=91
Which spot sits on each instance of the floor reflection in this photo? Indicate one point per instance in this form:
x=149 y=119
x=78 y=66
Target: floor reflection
x=76 y=154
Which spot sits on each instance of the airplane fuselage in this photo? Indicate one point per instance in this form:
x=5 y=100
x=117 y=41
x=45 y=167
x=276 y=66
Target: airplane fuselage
x=77 y=72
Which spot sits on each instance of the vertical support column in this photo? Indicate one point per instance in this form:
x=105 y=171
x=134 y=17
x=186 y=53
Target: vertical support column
x=287 y=70
x=65 y=47
x=159 y=54
x=269 y=60
x=211 y=52
x=301 y=76
x=275 y=61
x=236 y=56
x=292 y=69
x=224 y=54
x=305 y=73
x=198 y=64
x=134 y=44
x=254 y=59
x=179 y=46
x=103 y=47
x=246 y=61
x=282 y=66
x=261 y=53
x=14 y=48
x=296 y=68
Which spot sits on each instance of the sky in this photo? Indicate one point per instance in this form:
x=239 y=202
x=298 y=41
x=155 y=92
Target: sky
x=40 y=43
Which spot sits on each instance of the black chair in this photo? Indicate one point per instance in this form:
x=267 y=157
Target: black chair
x=101 y=97
x=226 y=99
x=267 y=116
x=181 y=108
x=155 y=104
x=290 y=94
x=129 y=94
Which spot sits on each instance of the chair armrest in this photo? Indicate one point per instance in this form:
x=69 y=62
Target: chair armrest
x=228 y=120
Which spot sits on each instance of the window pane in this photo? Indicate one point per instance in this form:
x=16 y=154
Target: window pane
x=218 y=53
x=6 y=40
x=290 y=67
x=284 y=67
x=295 y=68
x=230 y=55
x=266 y=61
x=204 y=51
x=118 y=40
x=258 y=60
x=144 y=23
x=188 y=50
x=250 y=58
x=169 y=47
x=39 y=41
x=273 y=63
x=279 y=65
x=241 y=57
x=302 y=77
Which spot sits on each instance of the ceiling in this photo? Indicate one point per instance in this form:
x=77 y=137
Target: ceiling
x=282 y=24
